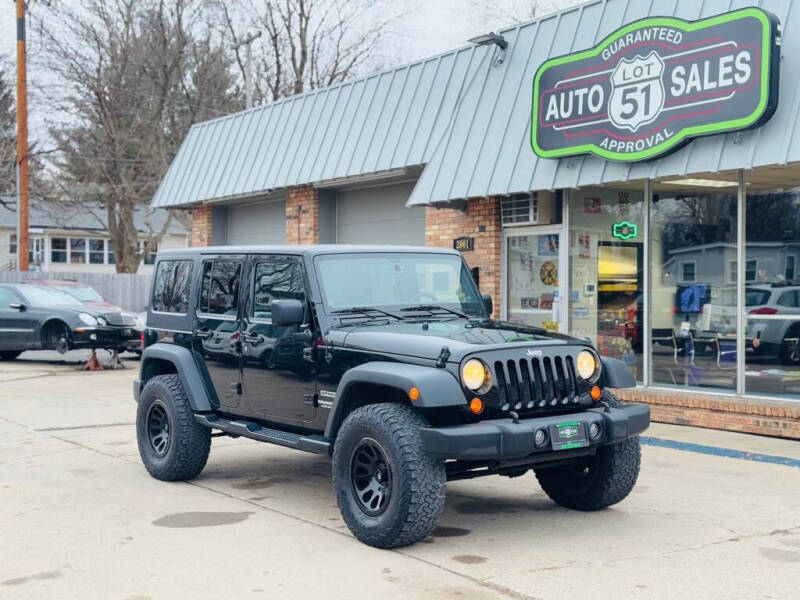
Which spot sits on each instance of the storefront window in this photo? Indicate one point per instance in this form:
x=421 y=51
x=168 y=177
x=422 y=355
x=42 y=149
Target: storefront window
x=693 y=281
x=607 y=269
x=773 y=289
x=532 y=250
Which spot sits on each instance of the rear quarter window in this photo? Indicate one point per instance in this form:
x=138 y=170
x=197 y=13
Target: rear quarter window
x=171 y=286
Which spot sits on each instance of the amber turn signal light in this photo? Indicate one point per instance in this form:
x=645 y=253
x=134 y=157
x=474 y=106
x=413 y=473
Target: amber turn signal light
x=413 y=393
x=596 y=393
x=476 y=406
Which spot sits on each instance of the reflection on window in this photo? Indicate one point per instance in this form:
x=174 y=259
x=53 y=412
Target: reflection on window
x=220 y=291
x=751 y=270
x=687 y=272
x=772 y=334
x=693 y=300
x=171 y=286
x=275 y=280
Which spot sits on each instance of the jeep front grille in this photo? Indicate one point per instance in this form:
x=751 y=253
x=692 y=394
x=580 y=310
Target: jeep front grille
x=536 y=383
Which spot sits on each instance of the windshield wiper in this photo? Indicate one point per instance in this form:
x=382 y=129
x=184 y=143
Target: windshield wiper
x=433 y=307
x=365 y=310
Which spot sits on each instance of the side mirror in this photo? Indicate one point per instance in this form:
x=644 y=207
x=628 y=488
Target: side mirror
x=287 y=312
x=487 y=303
x=17 y=306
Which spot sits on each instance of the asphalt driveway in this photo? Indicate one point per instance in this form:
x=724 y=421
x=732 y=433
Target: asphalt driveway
x=80 y=517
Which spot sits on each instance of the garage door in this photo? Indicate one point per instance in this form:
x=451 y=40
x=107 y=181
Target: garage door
x=262 y=223
x=379 y=216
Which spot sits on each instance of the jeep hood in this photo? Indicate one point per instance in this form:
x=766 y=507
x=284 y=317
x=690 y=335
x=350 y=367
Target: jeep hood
x=426 y=339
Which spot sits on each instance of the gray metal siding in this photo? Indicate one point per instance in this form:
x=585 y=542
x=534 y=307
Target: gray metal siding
x=492 y=155
x=379 y=215
x=467 y=121
x=261 y=223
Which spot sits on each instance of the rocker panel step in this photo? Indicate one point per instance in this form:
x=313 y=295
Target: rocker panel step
x=316 y=444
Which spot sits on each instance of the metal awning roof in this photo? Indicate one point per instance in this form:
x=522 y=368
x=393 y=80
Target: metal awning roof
x=465 y=120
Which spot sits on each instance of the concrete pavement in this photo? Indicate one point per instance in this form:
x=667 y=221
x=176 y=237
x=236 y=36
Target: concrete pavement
x=80 y=518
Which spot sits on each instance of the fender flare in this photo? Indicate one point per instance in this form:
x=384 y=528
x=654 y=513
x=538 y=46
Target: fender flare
x=187 y=369
x=617 y=374
x=437 y=387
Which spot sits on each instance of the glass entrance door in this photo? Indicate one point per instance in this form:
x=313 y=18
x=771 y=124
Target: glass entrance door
x=532 y=261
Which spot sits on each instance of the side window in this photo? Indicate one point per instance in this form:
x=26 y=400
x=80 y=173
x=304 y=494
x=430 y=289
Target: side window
x=171 y=286
x=788 y=299
x=220 y=292
x=275 y=280
x=6 y=298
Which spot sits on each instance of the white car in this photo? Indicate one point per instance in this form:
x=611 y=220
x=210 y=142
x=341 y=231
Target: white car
x=773 y=321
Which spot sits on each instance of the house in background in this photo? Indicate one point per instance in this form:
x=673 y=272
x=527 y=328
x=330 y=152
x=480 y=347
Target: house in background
x=76 y=240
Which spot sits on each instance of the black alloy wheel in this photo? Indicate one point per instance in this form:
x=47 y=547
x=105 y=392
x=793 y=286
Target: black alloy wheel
x=158 y=428
x=371 y=477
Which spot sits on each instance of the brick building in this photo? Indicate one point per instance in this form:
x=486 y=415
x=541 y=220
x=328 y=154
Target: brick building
x=682 y=261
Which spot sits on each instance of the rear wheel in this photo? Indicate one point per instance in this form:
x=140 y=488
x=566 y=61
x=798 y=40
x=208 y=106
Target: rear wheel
x=790 y=347
x=173 y=447
x=390 y=492
x=595 y=482
x=9 y=354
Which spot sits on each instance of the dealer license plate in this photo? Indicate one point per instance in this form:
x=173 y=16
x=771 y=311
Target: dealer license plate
x=566 y=436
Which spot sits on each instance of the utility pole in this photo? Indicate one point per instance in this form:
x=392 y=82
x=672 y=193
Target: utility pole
x=22 y=142
x=248 y=68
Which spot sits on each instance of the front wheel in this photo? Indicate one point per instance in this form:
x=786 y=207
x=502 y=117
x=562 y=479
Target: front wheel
x=389 y=491
x=595 y=482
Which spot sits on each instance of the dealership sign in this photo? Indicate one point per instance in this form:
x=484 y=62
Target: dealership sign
x=655 y=84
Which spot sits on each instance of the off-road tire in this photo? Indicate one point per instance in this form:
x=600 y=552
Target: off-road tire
x=189 y=442
x=9 y=354
x=418 y=481
x=597 y=481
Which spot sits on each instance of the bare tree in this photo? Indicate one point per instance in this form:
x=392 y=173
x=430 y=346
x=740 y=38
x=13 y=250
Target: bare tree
x=132 y=77
x=306 y=44
x=8 y=140
x=498 y=13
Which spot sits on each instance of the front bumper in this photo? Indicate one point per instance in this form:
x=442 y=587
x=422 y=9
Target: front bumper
x=502 y=439
x=120 y=338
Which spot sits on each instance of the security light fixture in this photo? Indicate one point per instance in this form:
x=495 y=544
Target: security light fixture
x=489 y=38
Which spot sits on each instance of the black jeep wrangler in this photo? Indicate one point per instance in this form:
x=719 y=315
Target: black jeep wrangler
x=386 y=359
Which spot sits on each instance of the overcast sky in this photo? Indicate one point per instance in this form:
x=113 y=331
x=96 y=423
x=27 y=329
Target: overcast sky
x=427 y=27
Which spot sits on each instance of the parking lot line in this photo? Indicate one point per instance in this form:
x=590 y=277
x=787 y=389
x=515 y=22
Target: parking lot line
x=720 y=451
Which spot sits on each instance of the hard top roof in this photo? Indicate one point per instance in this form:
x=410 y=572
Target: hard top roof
x=311 y=250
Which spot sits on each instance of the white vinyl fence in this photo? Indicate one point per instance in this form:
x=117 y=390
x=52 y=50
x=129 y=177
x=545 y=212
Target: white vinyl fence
x=128 y=290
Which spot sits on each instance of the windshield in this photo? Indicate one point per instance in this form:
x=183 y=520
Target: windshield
x=84 y=294
x=42 y=296
x=397 y=281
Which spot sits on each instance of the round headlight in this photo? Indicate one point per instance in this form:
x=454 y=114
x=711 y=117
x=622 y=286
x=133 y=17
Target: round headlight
x=475 y=375
x=88 y=319
x=587 y=365
x=102 y=322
